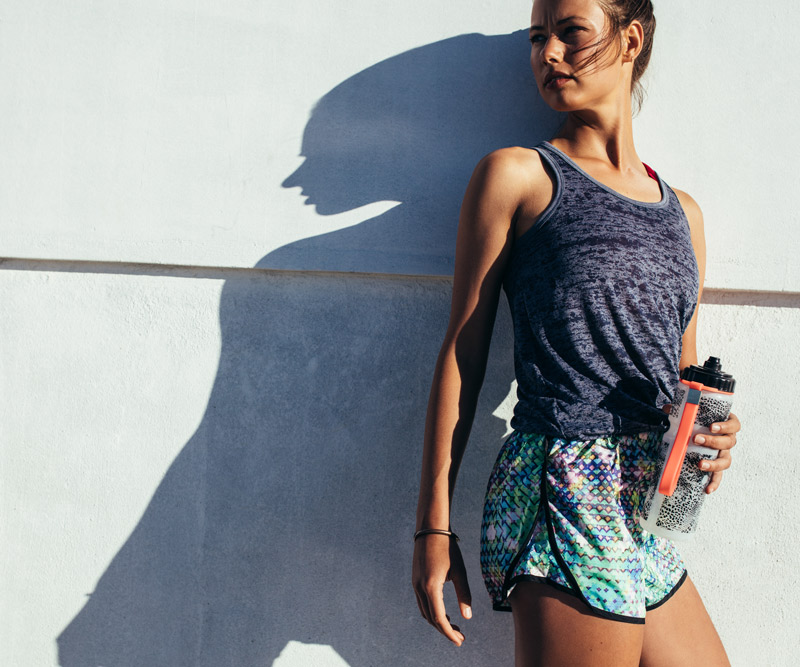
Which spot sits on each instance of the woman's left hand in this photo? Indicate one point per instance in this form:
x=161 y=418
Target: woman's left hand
x=723 y=438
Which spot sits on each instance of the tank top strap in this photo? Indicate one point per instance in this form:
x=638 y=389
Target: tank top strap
x=548 y=149
x=574 y=176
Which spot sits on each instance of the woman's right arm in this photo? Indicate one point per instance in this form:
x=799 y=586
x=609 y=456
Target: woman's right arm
x=484 y=240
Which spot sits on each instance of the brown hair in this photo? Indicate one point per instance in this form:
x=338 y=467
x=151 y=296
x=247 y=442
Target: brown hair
x=620 y=14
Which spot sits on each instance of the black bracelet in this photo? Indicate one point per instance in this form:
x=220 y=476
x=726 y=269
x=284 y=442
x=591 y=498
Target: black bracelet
x=435 y=531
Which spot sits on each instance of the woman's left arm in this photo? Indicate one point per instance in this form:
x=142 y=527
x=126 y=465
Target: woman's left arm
x=724 y=433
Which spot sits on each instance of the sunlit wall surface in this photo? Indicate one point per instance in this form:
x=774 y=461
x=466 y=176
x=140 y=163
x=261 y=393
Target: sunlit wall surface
x=228 y=231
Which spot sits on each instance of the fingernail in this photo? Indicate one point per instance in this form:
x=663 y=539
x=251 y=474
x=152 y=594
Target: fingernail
x=468 y=612
x=715 y=427
x=699 y=439
x=705 y=465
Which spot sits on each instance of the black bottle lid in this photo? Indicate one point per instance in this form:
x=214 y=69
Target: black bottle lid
x=710 y=374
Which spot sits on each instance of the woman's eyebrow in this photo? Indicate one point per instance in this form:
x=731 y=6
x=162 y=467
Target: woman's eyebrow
x=559 y=22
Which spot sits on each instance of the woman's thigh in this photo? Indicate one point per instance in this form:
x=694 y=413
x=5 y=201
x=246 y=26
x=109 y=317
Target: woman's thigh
x=680 y=633
x=555 y=629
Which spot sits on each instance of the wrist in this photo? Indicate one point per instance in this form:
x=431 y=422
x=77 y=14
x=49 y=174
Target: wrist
x=435 y=531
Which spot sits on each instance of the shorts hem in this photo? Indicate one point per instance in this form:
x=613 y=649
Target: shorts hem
x=672 y=592
x=602 y=613
x=504 y=604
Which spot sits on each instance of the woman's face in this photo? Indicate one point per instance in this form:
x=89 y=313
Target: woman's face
x=564 y=35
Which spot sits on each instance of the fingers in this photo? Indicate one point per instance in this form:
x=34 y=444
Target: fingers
x=722 y=462
x=723 y=438
x=733 y=425
x=713 y=485
x=715 y=441
x=423 y=609
x=723 y=434
x=458 y=575
x=439 y=618
x=715 y=467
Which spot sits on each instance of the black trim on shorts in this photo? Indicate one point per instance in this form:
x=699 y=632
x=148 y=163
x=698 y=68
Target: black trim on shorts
x=508 y=581
x=670 y=594
x=551 y=537
x=505 y=606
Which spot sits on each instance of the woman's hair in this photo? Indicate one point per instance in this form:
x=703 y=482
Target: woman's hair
x=620 y=14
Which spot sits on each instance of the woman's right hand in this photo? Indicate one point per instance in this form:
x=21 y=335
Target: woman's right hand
x=437 y=559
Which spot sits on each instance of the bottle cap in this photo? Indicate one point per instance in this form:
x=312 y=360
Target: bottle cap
x=710 y=374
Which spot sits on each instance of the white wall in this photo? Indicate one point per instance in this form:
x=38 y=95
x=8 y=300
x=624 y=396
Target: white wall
x=166 y=132
x=211 y=425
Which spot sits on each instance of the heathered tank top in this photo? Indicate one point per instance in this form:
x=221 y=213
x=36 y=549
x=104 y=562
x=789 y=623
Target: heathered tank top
x=601 y=289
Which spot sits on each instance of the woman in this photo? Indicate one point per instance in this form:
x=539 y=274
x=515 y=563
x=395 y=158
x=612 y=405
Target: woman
x=603 y=265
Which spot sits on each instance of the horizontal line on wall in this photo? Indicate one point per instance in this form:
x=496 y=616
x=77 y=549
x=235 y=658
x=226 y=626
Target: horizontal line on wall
x=711 y=295
x=761 y=298
x=178 y=270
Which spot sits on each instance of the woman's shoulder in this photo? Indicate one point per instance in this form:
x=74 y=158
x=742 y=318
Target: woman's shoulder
x=691 y=208
x=515 y=160
x=515 y=170
x=695 y=218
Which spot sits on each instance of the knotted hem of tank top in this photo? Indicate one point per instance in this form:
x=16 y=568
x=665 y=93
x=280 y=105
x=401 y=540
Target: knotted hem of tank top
x=649 y=431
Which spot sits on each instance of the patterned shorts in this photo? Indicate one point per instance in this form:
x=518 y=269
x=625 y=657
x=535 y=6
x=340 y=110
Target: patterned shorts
x=564 y=512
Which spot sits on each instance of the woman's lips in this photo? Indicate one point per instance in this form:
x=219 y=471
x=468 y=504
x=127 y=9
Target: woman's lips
x=557 y=82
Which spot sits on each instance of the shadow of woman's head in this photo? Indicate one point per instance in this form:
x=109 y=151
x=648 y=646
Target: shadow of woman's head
x=410 y=129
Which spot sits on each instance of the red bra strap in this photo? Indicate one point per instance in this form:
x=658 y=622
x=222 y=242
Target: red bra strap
x=650 y=172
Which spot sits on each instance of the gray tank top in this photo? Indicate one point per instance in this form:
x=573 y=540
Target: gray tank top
x=601 y=289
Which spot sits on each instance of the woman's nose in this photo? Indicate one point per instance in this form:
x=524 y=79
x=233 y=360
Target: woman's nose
x=553 y=50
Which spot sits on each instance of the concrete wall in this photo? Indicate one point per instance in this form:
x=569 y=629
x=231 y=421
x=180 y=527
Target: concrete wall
x=228 y=230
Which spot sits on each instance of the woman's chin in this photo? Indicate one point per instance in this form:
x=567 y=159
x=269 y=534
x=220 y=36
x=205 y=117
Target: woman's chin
x=560 y=105
x=557 y=100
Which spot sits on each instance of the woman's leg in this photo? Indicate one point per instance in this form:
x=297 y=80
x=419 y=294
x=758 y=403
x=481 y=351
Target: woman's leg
x=680 y=633
x=555 y=629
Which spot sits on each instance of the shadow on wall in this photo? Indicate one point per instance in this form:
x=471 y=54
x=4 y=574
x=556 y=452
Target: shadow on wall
x=411 y=129
x=288 y=514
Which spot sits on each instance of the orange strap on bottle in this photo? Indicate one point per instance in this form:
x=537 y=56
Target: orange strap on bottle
x=672 y=468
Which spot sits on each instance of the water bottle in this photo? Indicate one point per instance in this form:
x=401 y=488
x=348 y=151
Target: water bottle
x=672 y=505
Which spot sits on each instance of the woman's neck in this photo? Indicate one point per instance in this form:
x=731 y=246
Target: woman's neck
x=600 y=134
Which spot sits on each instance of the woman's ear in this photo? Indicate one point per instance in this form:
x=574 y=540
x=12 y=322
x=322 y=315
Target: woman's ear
x=633 y=38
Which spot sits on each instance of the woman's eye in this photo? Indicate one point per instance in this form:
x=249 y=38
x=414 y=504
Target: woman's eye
x=572 y=31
